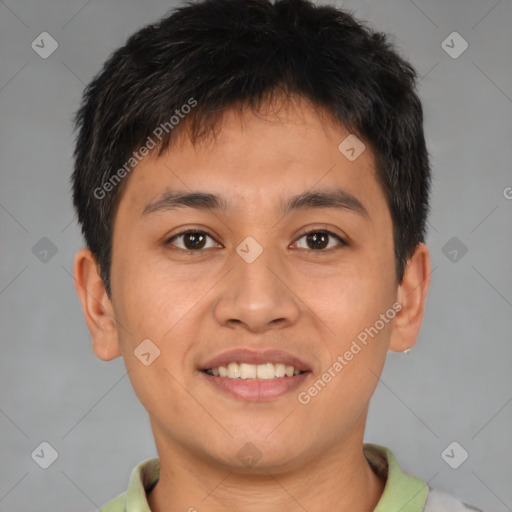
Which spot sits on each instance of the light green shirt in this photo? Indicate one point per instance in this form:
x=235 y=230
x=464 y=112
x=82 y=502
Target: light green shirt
x=402 y=492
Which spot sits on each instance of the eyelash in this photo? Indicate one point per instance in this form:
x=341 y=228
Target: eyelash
x=342 y=242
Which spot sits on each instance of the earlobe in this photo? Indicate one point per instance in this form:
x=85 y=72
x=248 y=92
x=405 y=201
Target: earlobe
x=412 y=295
x=96 y=306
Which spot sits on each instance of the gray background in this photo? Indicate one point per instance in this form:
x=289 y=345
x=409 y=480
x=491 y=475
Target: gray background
x=455 y=385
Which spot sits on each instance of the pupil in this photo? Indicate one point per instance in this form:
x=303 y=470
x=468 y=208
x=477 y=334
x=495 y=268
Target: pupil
x=315 y=237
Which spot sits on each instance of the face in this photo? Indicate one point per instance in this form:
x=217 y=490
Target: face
x=286 y=259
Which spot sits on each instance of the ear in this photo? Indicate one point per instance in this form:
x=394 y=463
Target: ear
x=412 y=295
x=97 y=307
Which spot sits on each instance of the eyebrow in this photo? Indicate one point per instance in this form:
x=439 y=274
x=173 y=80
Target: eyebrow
x=336 y=198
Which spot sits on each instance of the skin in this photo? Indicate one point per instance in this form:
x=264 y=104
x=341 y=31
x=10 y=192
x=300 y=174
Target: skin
x=310 y=302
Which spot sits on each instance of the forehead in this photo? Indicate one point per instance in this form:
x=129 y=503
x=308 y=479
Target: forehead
x=277 y=151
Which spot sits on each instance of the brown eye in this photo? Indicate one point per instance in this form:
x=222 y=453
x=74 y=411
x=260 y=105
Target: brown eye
x=190 y=240
x=319 y=240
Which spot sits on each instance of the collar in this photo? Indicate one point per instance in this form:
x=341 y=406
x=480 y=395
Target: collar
x=402 y=492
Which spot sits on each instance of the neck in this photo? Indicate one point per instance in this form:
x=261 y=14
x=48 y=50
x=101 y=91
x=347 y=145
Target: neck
x=342 y=477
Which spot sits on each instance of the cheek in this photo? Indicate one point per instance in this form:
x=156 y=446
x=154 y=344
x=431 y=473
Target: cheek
x=356 y=356
x=359 y=313
x=154 y=305
x=152 y=297
x=350 y=300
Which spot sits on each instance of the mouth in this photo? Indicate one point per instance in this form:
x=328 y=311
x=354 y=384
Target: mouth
x=255 y=376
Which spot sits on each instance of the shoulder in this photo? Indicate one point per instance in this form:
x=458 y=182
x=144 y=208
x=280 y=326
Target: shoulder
x=116 y=505
x=438 y=501
x=406 y=493
x=142 y=479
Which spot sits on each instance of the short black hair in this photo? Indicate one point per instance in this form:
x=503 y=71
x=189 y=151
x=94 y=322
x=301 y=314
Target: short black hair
x=214 y=55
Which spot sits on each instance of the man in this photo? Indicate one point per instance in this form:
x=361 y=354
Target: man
x=252 y=183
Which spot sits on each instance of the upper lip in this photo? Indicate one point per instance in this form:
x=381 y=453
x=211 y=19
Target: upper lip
x=244 y=355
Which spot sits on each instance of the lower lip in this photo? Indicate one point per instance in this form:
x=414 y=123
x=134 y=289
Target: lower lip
x=256 y=390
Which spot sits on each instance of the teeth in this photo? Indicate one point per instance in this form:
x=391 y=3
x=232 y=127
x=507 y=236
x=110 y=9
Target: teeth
x=248 y=371
x=289 y=371
x=233 y=371
x=266 y=371
x=252 y=371
x=280 y=370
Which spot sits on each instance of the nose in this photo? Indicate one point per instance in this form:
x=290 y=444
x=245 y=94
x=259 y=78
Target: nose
x=257 y=295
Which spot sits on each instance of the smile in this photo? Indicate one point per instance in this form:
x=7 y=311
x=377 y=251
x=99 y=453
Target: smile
x=246 y=371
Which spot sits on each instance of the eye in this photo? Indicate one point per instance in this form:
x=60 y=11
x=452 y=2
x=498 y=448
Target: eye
x=319 y=240
x=192 y=240
x=196 y=240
